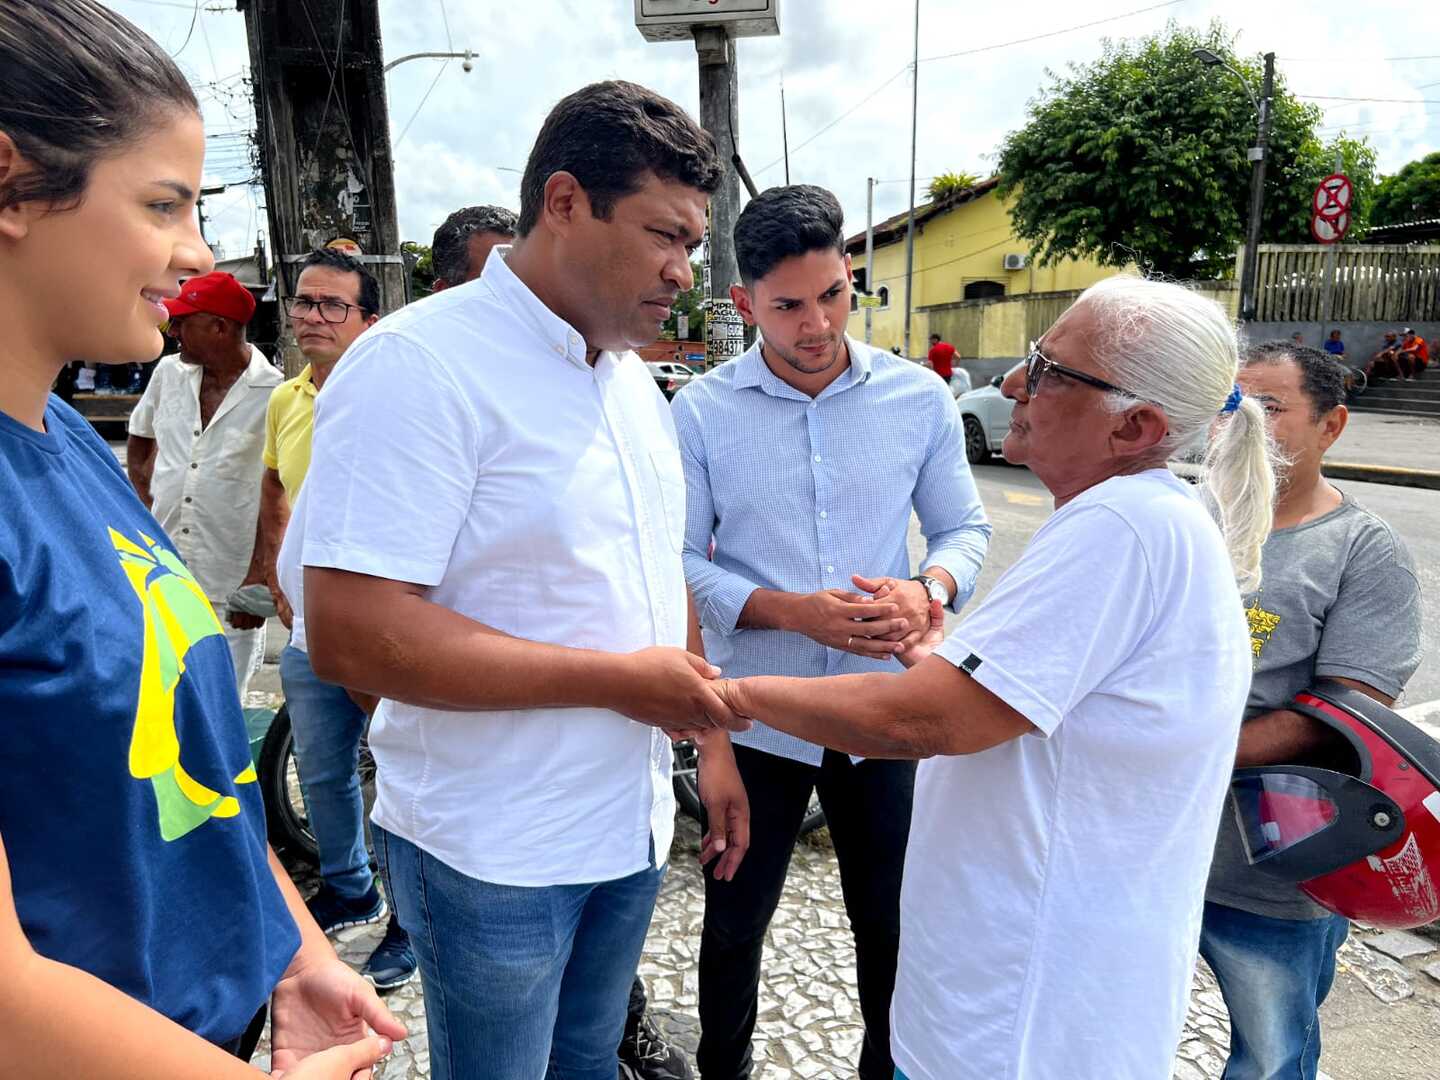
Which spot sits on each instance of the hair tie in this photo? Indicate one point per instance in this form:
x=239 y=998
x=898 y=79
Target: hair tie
x=1232 y=402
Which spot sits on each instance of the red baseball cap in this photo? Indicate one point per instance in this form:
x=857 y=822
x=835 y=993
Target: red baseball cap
x=215 y=293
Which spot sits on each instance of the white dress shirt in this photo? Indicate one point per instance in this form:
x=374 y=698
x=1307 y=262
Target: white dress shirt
x=206 y=483
x=466 y=445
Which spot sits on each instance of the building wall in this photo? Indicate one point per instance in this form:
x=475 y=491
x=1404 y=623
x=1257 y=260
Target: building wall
x=963 y=245
x=992 y=336
x=1362 y=339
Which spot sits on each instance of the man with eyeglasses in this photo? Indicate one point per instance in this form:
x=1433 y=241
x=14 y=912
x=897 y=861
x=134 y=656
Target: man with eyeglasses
x=336 y=299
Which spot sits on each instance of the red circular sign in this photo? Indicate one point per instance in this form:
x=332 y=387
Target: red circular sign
x=1332 y=196
x=1330 y=230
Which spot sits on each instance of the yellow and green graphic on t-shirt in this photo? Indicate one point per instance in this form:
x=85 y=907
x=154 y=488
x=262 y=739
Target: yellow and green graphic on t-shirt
x=1262 y=624
x=177 y=615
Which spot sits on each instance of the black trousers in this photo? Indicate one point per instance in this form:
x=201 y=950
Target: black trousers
x=868 y=808
x=244 y=1047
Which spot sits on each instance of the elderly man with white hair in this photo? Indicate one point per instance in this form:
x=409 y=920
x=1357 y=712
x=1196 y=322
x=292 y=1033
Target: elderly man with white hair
x=1080 y=723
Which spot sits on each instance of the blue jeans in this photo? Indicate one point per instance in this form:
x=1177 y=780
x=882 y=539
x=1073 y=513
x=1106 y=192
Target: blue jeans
x=328 y=727
x=520 y=983
x=1274 y=974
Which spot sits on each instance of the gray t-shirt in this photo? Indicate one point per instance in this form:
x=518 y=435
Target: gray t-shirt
x=1338 y=597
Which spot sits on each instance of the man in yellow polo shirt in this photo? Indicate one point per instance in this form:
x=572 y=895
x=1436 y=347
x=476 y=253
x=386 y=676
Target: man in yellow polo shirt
x=336 y=299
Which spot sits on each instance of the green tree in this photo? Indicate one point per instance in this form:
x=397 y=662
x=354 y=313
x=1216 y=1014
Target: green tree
x=949 y=183
x=422 y=270
x=691 y=303
x=1412 y=194
x=1141 y=157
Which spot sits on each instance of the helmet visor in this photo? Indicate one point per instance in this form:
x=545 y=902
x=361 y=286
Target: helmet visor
x=1276 y=811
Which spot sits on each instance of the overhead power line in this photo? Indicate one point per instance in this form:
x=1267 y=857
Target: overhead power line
x=863 y=101
x=194 y=18
x=433 y=82
x=967 y=52
x=1378 y=100
x=1052 y=33
x=1348 y=62
x=958 y=258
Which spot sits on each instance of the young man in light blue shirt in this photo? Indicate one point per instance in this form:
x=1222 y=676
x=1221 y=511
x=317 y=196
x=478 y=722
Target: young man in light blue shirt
x=804 y=459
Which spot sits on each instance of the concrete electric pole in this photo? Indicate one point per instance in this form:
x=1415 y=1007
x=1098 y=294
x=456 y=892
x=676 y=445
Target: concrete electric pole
x=319 y=78
x=714 y=31
x=869 y=256
x=910 y=224
x=719 y=93
x=1257 y=155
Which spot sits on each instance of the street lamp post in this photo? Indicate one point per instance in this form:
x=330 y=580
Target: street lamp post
x=1257 y=155
x=468 y=56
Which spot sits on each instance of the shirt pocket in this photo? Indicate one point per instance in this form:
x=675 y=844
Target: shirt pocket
x=238 y=456
x=670 y=479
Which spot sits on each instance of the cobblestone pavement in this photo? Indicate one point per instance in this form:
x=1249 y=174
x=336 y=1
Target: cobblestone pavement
x=809 y=1022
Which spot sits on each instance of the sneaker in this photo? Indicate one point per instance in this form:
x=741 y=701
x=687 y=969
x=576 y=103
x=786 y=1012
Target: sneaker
x=645 y=1055
x=333 y=912
x=392 y=963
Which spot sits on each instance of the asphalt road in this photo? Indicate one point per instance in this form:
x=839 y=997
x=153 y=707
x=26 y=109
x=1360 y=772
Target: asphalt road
x=1018 y=503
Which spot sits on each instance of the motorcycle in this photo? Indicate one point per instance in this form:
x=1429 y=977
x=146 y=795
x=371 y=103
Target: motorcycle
x=272 y=749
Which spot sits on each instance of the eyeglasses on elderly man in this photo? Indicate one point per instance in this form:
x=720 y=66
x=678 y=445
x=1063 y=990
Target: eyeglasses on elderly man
x=1038 y=365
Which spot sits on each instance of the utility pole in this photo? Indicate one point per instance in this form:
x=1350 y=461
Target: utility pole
x=719 y=92
x=1327 y=300
x=910 y=227
x=714 y=31
x=206 y=192
x=784 y=131
x=869 y=251
x=318 y=71
x=1257 y=194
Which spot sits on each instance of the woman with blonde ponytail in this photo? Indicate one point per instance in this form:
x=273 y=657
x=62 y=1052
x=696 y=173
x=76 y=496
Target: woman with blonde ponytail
x=1081 y=722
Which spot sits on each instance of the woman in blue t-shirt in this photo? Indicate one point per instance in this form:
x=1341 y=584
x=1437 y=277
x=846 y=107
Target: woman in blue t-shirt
x=144 y=923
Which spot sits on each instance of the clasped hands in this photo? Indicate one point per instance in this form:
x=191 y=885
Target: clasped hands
x=885 y=618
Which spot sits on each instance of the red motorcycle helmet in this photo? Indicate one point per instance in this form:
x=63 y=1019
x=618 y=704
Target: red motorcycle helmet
x=1363 y=842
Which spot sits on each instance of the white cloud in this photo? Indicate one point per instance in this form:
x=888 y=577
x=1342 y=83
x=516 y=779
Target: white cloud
x=832 y=53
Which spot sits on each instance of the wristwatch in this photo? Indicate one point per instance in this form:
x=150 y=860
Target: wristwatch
x=935 y=588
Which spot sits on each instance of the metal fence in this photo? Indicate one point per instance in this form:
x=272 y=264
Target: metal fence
x=1372 y=283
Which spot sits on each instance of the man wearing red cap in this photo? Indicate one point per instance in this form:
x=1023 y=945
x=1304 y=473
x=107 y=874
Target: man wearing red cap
x=194 y=449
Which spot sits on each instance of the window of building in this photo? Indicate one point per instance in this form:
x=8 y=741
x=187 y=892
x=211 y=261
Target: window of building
x=983 y=290
x=884 y=293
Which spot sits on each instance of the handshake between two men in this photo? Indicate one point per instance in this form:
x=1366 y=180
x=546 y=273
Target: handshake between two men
x=684 y=695
x=888 y=617
x=687 y=697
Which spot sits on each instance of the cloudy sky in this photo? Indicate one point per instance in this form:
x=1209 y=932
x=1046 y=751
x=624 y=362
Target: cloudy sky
x=844 y=69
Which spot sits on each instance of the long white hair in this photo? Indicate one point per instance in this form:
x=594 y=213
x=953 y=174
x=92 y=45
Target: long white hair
x=1171 y=346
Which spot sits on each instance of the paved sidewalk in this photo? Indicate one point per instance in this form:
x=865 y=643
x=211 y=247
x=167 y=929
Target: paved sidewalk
x=1406 y=442
x=1381 y=1020
x=1387 y=449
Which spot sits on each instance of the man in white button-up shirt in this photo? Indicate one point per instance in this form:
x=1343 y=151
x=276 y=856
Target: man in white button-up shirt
x=194 y=449
x=494 y=518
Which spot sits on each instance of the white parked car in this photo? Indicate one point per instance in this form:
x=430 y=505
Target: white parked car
x=986 y=416
x=670 y=376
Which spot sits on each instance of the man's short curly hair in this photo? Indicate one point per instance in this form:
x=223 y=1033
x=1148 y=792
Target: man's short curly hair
x=450 y=250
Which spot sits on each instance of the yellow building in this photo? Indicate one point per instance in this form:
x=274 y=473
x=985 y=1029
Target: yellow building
x=965 y=249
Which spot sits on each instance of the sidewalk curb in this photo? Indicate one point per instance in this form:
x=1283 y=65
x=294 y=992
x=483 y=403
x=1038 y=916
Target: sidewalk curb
x=1382 y=474
x=1344 y=470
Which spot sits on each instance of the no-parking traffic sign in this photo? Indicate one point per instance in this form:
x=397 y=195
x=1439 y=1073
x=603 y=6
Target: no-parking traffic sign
x=1330 y=206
